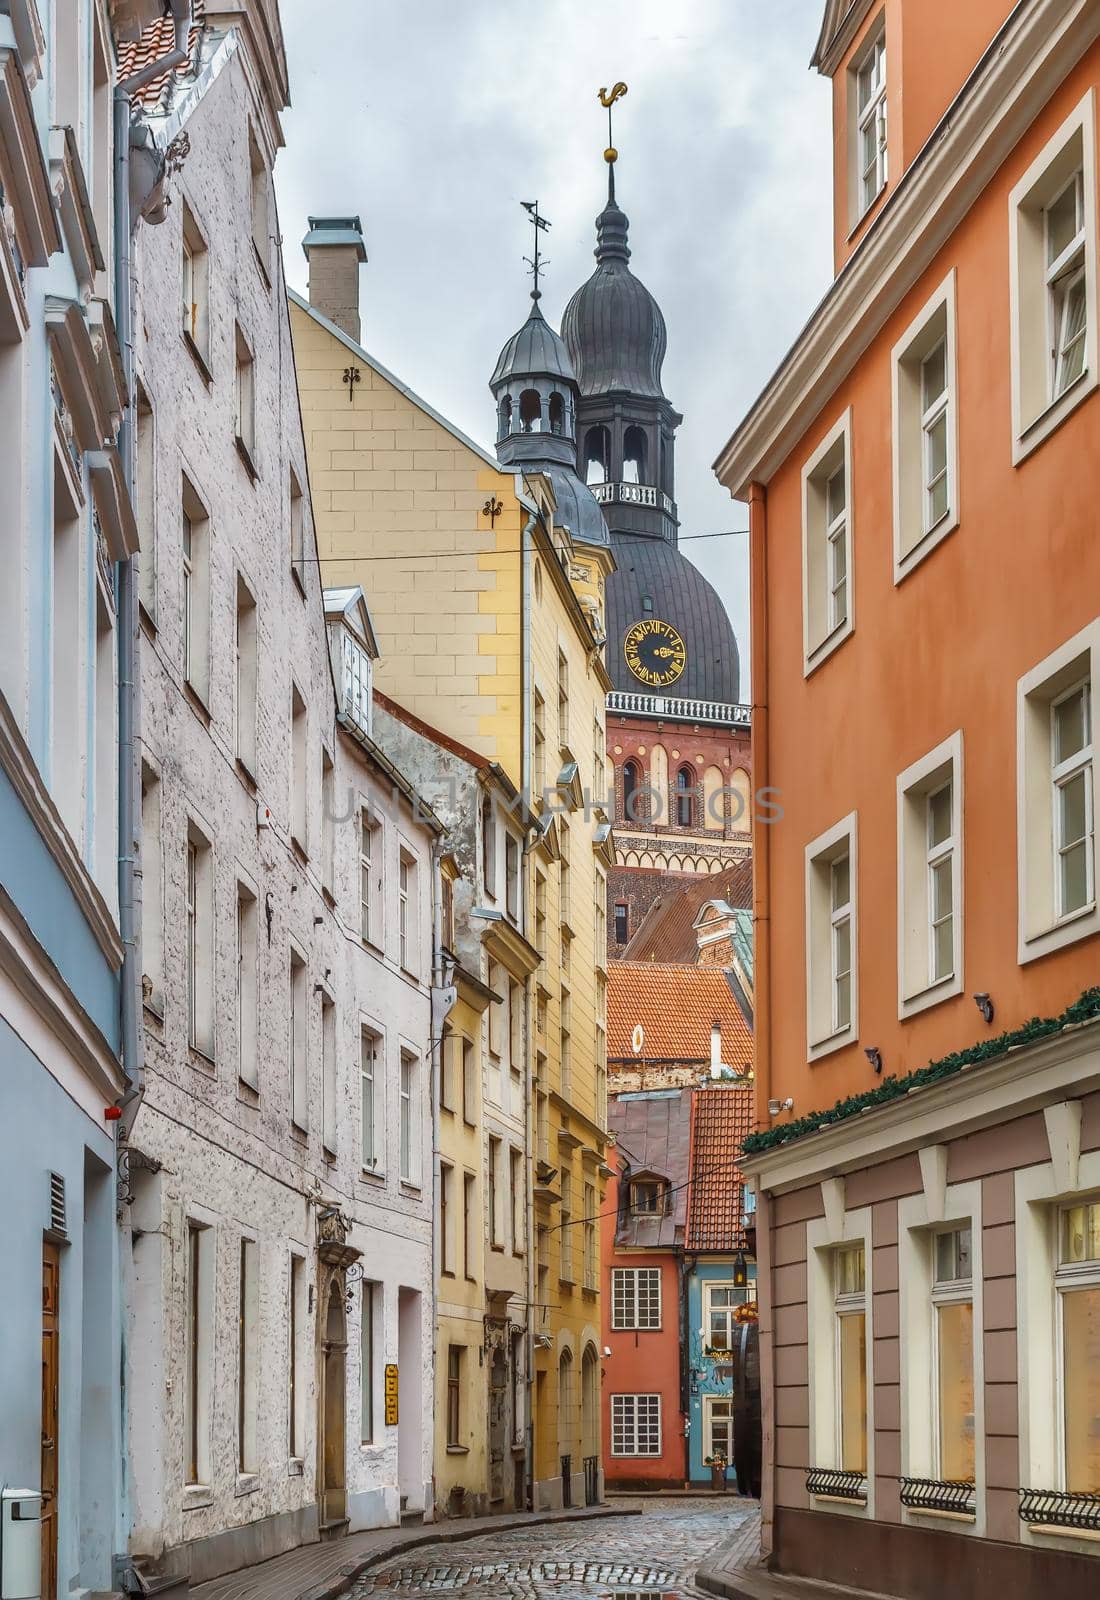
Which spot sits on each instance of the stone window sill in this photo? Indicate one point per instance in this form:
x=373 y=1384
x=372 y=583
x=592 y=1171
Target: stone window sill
x=247 y=1483
x=196 y=1496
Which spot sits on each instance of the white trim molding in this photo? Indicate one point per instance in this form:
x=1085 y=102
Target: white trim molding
x=823 y=1032
x=916 y=533
x=1037 y=406
x=918 y=859
x=821 y=634
x=821 y=1318
x=1041 y=927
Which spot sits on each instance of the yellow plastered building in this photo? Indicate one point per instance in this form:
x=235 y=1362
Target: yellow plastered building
x=488 y=615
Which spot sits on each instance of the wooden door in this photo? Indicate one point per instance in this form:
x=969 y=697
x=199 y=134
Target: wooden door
x=51 y=1335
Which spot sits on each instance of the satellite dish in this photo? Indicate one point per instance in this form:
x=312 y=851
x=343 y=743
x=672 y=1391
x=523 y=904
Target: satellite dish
x=637 y=1039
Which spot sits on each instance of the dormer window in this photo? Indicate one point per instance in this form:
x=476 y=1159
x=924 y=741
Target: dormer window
x=870 y=86
x=649 y=1197
x=357 y=683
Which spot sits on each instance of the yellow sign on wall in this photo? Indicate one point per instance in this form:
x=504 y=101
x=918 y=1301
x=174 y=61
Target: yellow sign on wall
x=391 y=1394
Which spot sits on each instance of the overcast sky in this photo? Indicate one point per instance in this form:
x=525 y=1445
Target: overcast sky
x=433 y=119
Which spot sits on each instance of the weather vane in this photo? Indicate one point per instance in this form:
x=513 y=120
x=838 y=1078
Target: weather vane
x=541 y=226
x=608 y=97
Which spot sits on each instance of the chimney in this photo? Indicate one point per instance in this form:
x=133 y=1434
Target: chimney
x=334 y=249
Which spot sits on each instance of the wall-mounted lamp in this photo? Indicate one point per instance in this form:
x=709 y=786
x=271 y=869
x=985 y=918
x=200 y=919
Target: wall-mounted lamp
x=874 y=1056
x=776 y=1106
x=985 y=1006
x=740 y=1271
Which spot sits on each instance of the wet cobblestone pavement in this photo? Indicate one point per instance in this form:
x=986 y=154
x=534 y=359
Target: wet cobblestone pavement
x=649 y=1557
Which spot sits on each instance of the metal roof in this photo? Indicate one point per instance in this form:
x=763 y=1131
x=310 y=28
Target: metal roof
x=613 y=327
x=535 y=351
x=654 y=571
x=335 y=230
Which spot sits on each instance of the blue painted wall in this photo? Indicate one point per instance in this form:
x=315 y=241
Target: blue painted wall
x=703 y=1377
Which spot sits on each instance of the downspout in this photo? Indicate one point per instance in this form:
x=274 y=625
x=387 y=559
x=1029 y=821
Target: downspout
x=434 y=1078
x=762 y=1008
x=684 y=1268
x=529 y=1198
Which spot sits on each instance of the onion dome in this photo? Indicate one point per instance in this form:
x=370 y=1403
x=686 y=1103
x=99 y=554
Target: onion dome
x=613 y=327
x=536 y=351
x=655 y=580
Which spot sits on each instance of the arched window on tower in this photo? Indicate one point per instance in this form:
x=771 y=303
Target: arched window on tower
x=685 y=797
x=597 y=455
x=634 y=456
x=630 y=789
x=530 y=411
x=504 y=417
x=557 y=413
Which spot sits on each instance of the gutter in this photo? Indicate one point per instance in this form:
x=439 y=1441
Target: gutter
x=529 y=1166
x=176 y=57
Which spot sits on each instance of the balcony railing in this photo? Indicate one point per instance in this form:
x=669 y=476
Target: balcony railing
x=931 y=1494
x=633 y=494
x=629 y=704
x=1052 y=1508
x=830 y=1484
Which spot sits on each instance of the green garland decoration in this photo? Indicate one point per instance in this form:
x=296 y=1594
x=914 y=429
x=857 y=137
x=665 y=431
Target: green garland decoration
x=1086 y=1009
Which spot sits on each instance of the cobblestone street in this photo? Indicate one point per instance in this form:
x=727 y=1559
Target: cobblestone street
x=629 y=1558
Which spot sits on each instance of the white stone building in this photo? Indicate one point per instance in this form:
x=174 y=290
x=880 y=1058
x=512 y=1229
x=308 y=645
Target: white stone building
x=280 y=1167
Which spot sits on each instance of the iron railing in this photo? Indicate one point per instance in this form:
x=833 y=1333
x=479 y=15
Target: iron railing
x=566 y=1481
x=1059 y=1509
x=591 y=1480
x=836 y=1485
x=932 y=1494
x=626 y=703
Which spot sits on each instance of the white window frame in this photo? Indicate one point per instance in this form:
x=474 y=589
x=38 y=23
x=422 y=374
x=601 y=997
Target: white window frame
x=1037 y=409
x=625 y=1423
x=915 y=536
x=1063 y=773
x=872 y=115
x=1068 y=1276
x=1041 y=928
x=821 y=634
x=921 y=1217
x=368 y=1097
x=1062 y=276
x=409 y=1117
x=1042 y=1192
x=824 y=1236
x=727 y=1285
x=372 y=904
x=823 y=1035
x=625 y=1306
x=917 y=987
x=710 y=1402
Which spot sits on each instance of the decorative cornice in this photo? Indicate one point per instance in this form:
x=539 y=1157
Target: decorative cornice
x=1039 y=45
x=842 y=21
x=19 y=765
x=22 y=164
x=75 y=208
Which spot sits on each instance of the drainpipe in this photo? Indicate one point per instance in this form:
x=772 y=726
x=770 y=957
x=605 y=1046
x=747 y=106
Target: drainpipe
x=529 y=1198
x=435 y=1074
x=181 y=16
x=685 y=1268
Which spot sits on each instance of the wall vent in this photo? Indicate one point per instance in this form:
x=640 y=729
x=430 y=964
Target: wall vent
x=58 y=1221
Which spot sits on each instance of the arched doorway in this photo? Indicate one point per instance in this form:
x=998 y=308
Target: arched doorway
x=566 y=1424
x=590 y=1424
x=333 y=1410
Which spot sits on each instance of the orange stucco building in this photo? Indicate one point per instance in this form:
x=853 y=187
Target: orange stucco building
x=921 y=471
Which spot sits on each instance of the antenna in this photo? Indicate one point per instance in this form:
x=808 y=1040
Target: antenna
x=536 y=262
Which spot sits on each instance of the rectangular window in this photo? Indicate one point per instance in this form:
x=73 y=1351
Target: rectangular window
x=297 y=529
x=469 y=1084
x=831 y=948
x=869 y=74
x=494 y=1193
x=260 y=195
x=105 y=774
x=410 y=1142
x=449 y=1069
x=328 y=822
x=199 y=937
x=370 y=880
x=447 y=910
x=851 y=1337
x=195 y=593
x=1077 y=1281
x=198 y=1352
x=247 y=1354
x=930 y=878
x=827 y=613
x=66 y=697
x=566 y=1044
x=368 y=1079
x=371 y=1292
x=246 y=402
x=635 y=1424
x=455 y=1353
x=489 y=846
x=446 y=1186
x=152 y=891
x=297 y=1398
x=244 y=698
x=469 y=1216
x=1052 y=212
x=1056 y=798
x=299 y=782
x=622 y=922
x=328 y=1074
x=591 y=1241
x=247 y=993
x=635 y=1297
x=297 y=1045
x=925 y=438
x=721 y=1302
x=953 y=1354
x=540 y=914
x=511 y=876
x=407 y=912
x=195 y=306
x=515 y=1027
x=565 y=1228
x=563 y=700
x=145 y=497
x=539 y=752
x=515 y=1199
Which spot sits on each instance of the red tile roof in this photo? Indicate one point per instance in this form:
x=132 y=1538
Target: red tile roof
x=158 y=40
x=666 y=932
x=676 y=1006
x=721 y=1118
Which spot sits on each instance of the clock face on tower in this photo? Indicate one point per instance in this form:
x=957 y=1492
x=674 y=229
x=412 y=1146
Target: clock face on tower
x=655 y=652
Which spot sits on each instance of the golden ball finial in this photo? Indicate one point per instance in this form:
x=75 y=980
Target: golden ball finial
x=611 y=155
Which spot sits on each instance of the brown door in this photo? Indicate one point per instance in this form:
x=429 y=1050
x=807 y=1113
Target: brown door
x=333 y=1492
x=51 y=1334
